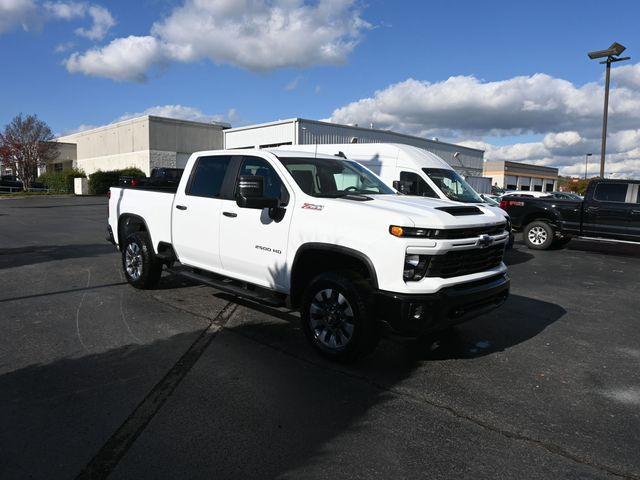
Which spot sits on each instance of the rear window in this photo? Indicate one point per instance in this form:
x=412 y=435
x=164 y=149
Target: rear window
x=611 y=192
x=208 y=175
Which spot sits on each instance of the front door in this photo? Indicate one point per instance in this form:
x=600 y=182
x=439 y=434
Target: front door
x=253 y=243
x=196 y=213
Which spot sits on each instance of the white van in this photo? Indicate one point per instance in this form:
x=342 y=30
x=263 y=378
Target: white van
x=411 y=170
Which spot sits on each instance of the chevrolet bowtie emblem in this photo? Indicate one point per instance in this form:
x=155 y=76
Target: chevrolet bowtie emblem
x=484 y=241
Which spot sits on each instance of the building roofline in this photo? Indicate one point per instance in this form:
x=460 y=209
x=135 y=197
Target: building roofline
x=224 y=125
x=331 y=124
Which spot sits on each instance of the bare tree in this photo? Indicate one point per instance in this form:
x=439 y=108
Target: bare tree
x=25 y=144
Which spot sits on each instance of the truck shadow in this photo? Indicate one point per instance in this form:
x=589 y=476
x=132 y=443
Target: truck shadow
x=258 y=393
x=518 y=254
x=29 y=255
x=518 y=320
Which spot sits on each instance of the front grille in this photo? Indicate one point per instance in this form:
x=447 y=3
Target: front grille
x=464 y=262
x=456 y=233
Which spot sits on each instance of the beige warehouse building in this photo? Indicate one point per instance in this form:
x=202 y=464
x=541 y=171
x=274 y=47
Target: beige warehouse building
x=145 y=142
x=521 y=176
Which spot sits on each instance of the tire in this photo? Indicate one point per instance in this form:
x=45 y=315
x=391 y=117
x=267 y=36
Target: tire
x=538 y=235
x=337 y=316
x=141 y=268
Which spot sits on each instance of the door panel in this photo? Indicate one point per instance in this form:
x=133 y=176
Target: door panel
x=607 y=214
x=196 y=214
x=634 y=213
x=253 y=246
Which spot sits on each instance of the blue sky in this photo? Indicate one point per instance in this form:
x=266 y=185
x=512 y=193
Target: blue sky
x=168 y=58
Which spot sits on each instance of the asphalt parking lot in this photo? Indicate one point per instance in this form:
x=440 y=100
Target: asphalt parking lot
x=98 y=379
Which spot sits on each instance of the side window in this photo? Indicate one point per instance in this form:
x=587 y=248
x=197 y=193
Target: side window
x=273 y=186
x=418 y=185
x=208 y=175
x=611 y=192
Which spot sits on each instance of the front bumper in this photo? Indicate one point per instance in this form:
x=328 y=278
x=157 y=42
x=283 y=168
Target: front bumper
x=416 y=314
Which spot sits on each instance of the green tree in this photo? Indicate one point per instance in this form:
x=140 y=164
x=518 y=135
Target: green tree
x=25 y=144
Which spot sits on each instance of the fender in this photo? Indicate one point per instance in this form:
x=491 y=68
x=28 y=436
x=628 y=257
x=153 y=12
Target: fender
x=125 y=216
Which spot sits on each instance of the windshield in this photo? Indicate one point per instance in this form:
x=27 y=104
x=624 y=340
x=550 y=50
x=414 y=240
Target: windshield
x=326 y=177
x=453 y=185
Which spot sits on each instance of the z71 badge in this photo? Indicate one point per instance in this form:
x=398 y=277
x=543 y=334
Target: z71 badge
x=311 y=206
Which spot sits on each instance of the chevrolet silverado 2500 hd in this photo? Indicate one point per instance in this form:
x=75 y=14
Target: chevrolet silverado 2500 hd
x=610 y=211
x=322 y=234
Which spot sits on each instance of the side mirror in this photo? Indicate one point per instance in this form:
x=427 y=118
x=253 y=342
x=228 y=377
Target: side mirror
x=403 y=186
x=250 y=193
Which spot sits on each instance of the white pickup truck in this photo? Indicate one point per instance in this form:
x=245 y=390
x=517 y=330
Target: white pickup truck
x=318 y=233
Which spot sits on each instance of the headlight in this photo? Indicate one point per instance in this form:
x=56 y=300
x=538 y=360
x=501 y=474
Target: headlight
x=413 y=232
x=414 y=267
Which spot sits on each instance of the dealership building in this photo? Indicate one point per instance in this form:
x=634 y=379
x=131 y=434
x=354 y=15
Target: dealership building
x=145 y=142
x=149 y=141
x=301 y=131
x=521 y=176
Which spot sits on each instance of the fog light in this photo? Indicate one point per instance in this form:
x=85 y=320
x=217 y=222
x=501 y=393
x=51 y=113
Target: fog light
x=414 y=267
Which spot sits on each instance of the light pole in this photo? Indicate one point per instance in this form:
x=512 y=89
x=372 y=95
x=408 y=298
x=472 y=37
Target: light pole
x=586 y=164
x=612 y=54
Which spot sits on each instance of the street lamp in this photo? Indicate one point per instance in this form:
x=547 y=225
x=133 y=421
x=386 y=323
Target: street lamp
x=586 y=164
x=612 y=55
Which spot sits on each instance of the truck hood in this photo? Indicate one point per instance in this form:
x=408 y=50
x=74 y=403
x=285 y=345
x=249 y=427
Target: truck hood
x=425 y=212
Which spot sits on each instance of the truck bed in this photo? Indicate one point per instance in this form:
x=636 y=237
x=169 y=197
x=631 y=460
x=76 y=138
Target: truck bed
x=153 y=205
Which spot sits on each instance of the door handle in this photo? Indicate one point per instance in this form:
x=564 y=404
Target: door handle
x=181 y=207
x=593 y=209
x=635 y=212
x=230 y=214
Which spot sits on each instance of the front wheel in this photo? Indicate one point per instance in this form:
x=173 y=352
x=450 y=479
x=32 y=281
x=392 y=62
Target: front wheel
x=141 y=268
x=336 y=316
x=538 y=235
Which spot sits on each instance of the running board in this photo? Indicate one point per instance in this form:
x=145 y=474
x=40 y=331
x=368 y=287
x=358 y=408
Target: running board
x=608 y=240
x=260 y=295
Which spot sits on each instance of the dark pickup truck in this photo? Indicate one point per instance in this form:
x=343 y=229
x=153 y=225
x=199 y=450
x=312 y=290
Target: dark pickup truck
x=610 y=210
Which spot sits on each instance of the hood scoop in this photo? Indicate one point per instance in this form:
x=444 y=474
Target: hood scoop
x=461 y=211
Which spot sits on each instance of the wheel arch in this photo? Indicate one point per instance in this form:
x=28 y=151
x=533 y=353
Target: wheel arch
x=129 y=223
x=313 y=258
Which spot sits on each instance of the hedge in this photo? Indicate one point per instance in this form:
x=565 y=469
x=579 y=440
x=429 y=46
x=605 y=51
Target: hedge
x=99 y=182
x=62 y=181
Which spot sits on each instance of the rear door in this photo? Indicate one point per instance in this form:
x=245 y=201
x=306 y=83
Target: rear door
x=607 y=213
x=196 y=212
x=253 y=245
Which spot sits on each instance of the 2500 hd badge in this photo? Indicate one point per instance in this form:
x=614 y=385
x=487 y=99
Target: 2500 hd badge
x=267 y=249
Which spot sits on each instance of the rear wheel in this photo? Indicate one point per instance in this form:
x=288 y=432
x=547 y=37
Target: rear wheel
x=336 y=316
x=141 y=268
x=538 y=235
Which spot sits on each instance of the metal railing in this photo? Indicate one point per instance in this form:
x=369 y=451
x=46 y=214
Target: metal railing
x=5 y=189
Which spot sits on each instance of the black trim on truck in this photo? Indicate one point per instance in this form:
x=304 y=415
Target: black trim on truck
x=300 y=280
x=415 y=314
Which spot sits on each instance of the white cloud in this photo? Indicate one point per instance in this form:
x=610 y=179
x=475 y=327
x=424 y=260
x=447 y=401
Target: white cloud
x=14 y=13
x=183 y=113
x=29 y=14
x=627 y=76
x=66 y=10
x=102 y=23
x=253 y=34
x=64 y=47
x=465 y=108
x=293 y=84
x=123 y=59
x=180 y=112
